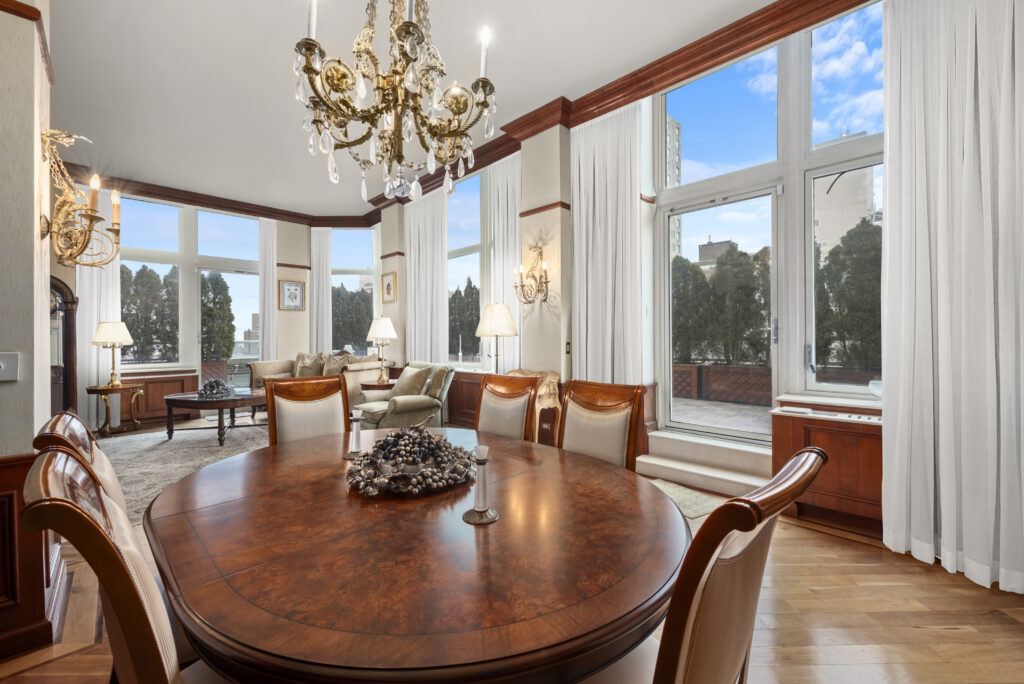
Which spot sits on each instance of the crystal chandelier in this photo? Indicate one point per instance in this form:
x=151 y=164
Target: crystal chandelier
x=377 y=115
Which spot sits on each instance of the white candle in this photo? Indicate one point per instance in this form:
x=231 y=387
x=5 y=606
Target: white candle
x=410 y=8
x=311 y=27
x=485 y=38
x=94 y=192
x=115 y=201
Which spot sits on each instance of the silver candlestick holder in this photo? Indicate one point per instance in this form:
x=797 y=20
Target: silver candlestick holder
x=480 y=514
x=354 y=435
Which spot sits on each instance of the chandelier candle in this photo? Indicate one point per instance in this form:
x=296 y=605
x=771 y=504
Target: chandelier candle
x=485 y=38
x=115 y=203
x=397 y=116
x=94 y=192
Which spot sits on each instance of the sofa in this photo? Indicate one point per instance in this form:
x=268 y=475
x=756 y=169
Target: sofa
x=419 y=396
x=356 y=369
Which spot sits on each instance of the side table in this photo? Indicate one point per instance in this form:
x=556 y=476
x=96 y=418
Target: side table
x=377 y=385
x=132 y=390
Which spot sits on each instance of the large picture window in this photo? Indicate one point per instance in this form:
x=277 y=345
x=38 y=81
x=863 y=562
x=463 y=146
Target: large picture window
x=464 y=273
x=353 y=279
x=149 y=309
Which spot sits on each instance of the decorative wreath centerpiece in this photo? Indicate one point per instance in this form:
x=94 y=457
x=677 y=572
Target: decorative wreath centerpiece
x=411 y=461
x=214 y=389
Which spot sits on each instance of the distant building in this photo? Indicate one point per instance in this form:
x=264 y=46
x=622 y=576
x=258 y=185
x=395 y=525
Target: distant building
x=249 y=345
x=254 y=332
x=709 y=252
x=840 y=202
x=366 y=283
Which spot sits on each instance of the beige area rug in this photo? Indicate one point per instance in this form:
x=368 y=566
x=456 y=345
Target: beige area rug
x=692 y=503
x=148 y=463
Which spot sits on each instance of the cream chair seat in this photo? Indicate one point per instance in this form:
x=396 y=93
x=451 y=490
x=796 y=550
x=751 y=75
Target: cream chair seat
x=63 y=495
x=300 y=408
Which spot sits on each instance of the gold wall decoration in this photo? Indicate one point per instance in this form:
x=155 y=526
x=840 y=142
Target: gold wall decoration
x=531 y=284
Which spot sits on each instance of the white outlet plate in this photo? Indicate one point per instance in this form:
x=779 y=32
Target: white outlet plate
x=9 y=362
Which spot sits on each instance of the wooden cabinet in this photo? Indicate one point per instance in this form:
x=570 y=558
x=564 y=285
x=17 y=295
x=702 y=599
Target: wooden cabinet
x=157 y=385
x=848 y=491
x=33 y=577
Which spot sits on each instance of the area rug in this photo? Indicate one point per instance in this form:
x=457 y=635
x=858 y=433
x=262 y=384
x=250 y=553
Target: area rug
x=692 y=503
x=148 y=463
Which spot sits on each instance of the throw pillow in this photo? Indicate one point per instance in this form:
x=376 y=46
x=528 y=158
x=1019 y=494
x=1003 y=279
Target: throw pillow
x=333 y=365
x=411 y=381
x=437 y=376
x=307 y=365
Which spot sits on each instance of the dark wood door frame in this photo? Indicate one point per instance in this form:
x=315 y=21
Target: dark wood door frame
x=70 y=338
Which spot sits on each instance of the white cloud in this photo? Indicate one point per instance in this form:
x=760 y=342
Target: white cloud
x=765 y=68
x=733 y=216
x=820 y=128
x=763 y=84
x=860 y=113
x=840 y=51
x=693 y=170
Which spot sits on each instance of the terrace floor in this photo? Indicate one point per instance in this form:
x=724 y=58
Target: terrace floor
x=723 y=415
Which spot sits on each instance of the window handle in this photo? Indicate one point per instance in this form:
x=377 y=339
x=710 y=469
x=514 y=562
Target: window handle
x=810 y=359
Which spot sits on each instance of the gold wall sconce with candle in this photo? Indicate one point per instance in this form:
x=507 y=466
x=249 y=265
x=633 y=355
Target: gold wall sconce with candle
x=75 y=235
x=531 y=284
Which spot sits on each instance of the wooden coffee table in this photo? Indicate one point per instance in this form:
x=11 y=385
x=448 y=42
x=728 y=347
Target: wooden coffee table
x=240 y=398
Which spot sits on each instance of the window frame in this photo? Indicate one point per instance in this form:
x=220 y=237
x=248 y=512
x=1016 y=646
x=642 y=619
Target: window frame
x=484 y=262
x=374 y=270
x=792 y=232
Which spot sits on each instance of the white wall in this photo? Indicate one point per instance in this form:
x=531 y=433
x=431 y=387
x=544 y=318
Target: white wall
x=24 y=261
x=293 y=326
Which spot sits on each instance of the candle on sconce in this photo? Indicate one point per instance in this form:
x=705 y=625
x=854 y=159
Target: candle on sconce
x=485 y=38
x=115 y=201
x=410 y=9
x=94 y=192
x=311 y=23
x=544 y=265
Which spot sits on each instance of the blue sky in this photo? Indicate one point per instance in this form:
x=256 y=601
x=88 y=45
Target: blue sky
x=729 y=121
x=352 y=248
x=464 y=230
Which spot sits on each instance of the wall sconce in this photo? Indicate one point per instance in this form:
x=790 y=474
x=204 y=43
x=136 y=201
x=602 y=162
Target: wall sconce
x=74 y=234
x=531 y=285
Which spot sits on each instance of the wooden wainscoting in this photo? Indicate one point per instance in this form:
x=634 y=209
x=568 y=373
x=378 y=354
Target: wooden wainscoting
x=848 y=491
x=157 y=384
x=463 y=396
x=33 y=577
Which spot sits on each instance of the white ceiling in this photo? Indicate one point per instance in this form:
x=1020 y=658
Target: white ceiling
x=199 y=94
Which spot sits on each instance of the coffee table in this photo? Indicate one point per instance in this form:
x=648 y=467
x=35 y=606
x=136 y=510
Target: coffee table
x=239 y=398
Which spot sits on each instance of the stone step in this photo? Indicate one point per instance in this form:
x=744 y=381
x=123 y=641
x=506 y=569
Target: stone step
x=708 y=478
x=751 y=459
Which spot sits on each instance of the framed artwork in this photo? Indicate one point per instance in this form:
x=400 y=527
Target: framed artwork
x=389 y=288
x=291 y=295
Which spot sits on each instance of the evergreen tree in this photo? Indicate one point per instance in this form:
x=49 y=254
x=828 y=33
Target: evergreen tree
x=852 y=276
x=218 y=323
x=167 y=317
x=759 y=334
x=690 y=299
x=470 y=319
x=735 y=309
x=146 y=298
x=455 y=331
x=351 y=315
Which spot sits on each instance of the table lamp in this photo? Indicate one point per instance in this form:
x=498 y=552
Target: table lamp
x=112 y=334
x=381 y=333
x=496 y=321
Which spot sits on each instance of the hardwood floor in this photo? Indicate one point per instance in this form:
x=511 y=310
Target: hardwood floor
x=832 y=610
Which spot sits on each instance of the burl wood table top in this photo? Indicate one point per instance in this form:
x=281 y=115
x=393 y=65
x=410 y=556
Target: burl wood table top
x=280 y=572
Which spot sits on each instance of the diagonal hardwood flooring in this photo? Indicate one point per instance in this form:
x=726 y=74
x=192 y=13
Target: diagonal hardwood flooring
x=833 y=610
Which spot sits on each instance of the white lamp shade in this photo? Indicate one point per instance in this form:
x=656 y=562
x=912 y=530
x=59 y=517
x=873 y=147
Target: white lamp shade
x=112 y=333
x=381 y=329
x=496 y=321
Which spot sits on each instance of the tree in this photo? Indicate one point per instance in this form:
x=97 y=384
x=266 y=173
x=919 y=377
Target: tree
x=852 y=278
x=463 y=318
x=824 y=325
x=690 y=299
x=759 y=334
x=218 y=323
x=737 y=314
x=167 y=317
x=146 y=297
x=351 y=315
x=128 y=312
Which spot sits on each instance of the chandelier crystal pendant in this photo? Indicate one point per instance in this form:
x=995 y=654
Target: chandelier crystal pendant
x=380 y=117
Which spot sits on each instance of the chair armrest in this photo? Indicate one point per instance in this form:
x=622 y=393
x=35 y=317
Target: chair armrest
x=366 y=396
x=260 y=369
x=364 y=365
x=412 y=402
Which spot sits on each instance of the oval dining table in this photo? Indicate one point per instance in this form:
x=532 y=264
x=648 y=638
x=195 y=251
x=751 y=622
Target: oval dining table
x=279 y=572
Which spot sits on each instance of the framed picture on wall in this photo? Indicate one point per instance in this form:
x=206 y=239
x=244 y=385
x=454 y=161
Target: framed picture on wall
x=389 y=288
x=291 y=295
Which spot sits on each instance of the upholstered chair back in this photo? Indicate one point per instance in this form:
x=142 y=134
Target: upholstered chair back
x=67 y=430
x=506 y=406
x=710 y=620
x=63 y=495
x=299 y=408
x=602 y=420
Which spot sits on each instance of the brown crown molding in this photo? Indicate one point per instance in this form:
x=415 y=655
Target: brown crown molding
x=339 y=222
x=305 y=268
x=546 y=207
x=391 y=254
x=20 y=9
x=554 y=113
x=752 y=32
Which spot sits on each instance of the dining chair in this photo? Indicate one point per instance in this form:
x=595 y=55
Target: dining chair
x=66 y=429
x=63 y=495
x=506 y=406
x=298 y=408
x=602 y=420
x=710 y=620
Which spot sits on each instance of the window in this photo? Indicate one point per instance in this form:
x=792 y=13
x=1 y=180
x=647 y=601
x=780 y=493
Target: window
x=721 y=307
x=149 y=225
x=353 y=276
x=229 y=305
x=224 y=235
x=847 y=275
x=464 y=272
x=770 y=283
x=722 y=122
x=846 y=72
x=149 y=309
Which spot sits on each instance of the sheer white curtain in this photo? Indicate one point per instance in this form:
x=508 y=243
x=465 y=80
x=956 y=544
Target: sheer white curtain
x=99 y=299
x=320 y=290
x=426 y=263
x=501 y=199
x=268 y=289
x=606 y=306
x=953 y=292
